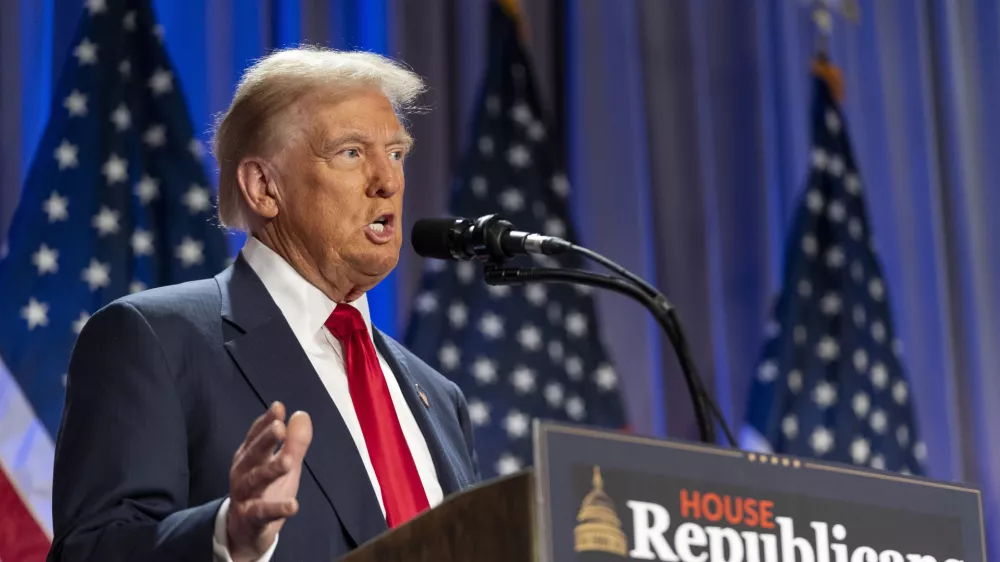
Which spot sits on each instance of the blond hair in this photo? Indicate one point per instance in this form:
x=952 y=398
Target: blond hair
x=252 y=123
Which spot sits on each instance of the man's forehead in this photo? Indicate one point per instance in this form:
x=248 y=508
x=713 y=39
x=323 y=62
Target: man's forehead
x=339 y=119
x=360 y=124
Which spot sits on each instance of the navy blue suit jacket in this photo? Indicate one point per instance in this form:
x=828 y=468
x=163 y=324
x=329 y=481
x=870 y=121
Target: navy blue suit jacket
x=163 y=386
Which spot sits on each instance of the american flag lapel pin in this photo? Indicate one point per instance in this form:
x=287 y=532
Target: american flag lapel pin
x=423 y=397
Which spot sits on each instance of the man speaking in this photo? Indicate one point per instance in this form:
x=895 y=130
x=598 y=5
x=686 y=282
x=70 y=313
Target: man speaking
x=178 y=440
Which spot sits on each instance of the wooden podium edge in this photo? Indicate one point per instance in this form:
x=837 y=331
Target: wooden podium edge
x=438 y=535
x=542 y=511
x=509 y=518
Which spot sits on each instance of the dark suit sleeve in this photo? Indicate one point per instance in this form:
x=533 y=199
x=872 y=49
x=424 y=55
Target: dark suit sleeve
x=467 y=429
x=121 y=469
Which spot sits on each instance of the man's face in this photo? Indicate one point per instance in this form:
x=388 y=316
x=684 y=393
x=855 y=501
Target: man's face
x=341 y=177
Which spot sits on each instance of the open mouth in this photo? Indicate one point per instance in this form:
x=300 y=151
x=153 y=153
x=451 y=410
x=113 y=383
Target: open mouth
x=380 y=230
x=381 y=223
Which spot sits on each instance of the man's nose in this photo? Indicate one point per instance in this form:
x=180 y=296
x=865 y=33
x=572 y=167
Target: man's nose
x=385 y=178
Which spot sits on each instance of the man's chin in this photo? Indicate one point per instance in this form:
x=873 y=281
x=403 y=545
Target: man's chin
x=377 y=265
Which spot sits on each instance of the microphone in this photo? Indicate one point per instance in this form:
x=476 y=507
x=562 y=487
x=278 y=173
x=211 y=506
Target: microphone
x=488 y=238
x=493 y=240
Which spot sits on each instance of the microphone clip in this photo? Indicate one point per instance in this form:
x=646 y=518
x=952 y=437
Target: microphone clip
x=489 y=235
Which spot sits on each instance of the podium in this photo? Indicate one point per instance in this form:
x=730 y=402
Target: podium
x=491 y=522
x=603 y=496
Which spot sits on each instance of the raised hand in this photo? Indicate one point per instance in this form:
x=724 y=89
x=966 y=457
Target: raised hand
x=264 y=481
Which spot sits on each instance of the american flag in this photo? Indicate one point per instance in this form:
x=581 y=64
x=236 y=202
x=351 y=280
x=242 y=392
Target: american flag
x=116 y=200
x=516 y=352
x=830 y=383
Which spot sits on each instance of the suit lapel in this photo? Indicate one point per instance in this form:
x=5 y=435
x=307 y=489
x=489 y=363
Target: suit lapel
x=274 y=364
x=424 y=415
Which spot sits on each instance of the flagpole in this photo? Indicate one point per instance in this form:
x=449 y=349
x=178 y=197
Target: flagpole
x=822 y=17
x=821 y=65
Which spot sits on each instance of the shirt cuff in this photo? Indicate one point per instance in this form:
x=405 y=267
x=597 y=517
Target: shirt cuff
x=220 y=539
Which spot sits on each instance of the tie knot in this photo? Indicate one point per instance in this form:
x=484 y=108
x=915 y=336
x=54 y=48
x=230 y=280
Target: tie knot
x=344 y=321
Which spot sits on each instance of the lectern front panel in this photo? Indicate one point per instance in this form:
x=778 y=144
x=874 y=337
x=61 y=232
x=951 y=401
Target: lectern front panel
x=607 y=496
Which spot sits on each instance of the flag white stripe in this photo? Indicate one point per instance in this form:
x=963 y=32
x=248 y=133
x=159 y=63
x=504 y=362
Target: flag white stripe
x=27 y=451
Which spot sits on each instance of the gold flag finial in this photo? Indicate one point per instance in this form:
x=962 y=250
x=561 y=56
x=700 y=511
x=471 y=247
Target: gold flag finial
x=827 y=72
x=514 y=9
x=822 y=17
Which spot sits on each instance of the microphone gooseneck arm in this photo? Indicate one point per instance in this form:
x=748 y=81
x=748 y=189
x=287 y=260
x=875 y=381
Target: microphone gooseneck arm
x=493 y=240
x=658 y=306
x=678 y=341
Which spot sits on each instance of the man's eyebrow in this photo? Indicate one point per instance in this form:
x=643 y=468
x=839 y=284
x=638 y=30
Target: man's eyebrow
x=404 y=138
x=355 y=137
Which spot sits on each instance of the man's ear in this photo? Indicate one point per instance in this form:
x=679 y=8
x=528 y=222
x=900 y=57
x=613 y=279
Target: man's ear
x=257 y=183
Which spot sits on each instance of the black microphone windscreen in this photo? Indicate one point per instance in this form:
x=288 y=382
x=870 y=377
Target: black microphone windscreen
x=430 y=238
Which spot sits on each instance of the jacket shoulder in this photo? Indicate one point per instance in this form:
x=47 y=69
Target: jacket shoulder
x=192 y=300
x=175 y=314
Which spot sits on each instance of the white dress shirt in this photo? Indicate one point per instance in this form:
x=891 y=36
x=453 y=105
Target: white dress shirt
x=306 y=310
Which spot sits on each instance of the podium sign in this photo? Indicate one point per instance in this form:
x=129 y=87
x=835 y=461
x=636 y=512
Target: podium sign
x=606 y=496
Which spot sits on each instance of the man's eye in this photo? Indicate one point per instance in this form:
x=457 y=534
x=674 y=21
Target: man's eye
x=396 y=155
x=352 y=153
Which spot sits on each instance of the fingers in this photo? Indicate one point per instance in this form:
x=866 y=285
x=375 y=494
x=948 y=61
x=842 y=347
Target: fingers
x=275 y=412
x=259 y=478
x=258 y=513
x=298 y=436
x=261 y=449
x=258 y=472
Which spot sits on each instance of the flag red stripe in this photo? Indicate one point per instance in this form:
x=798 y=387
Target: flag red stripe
x=21 y=537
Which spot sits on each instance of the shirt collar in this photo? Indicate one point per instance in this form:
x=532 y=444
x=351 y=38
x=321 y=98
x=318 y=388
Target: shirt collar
x=304 y=306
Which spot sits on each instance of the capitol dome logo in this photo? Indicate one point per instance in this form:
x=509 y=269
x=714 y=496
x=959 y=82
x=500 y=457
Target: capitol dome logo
x=598 y=527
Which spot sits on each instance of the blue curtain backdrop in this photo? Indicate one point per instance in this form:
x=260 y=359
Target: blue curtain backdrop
x=687 y=139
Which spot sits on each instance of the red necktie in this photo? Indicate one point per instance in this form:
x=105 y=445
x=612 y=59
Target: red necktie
x=402 y=491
